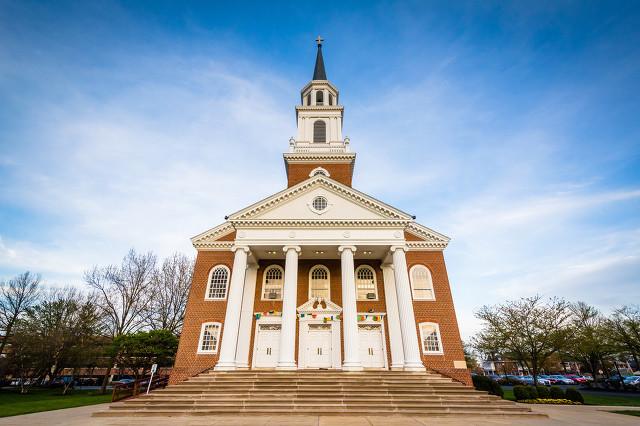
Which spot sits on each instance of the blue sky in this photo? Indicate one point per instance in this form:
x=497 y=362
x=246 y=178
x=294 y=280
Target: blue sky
x=511 y=127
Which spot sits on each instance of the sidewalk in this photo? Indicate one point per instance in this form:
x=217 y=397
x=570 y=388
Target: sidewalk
x=558 y=415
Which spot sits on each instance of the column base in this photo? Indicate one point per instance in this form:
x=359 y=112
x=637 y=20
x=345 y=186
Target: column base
x=225 y=366
x=242 y=366
x=397 y=367
x=352 y=366
x=287 y=366
x=414 y=366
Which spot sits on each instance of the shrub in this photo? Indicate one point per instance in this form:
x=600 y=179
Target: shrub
x=521 y=392
x=543 y=392
x=574 y=395
x=533 y=392
x=556 y=393
x=485 y=384
x=506 y=381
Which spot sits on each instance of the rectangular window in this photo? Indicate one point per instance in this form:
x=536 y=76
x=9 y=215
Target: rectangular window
x=430 y=337
x=209 y=338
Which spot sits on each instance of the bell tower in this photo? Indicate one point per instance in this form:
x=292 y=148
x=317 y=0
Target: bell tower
x=319 y=136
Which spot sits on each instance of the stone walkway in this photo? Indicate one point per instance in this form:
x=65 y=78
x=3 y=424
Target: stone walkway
x=558 y=415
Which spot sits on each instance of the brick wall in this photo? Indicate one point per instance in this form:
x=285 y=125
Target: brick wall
x=298 y=172
x=188 y=361
x=442 y=312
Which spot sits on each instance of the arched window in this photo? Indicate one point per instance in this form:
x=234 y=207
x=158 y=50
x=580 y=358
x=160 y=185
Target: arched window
x=430 y=339
x=421 y=283
x=320 y=132
x=366 y=288
x=272 y=283
x=319 y=282
x=209 y=338
x=308 y=99
x=319 y=171
x=218 y=283
x=319 y=97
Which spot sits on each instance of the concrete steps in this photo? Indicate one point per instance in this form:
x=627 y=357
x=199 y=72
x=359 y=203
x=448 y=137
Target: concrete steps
x=315 y=393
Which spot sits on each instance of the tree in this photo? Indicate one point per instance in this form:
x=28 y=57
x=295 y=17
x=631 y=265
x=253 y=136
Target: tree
x=122 y=294
x=169 y=292
x=140 y=350
x=624 y=326
x=529 y=329
x=59 y=332
x=16 y=296
x=589 y=341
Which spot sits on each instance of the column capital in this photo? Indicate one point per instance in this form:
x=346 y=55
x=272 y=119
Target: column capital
x=237 y=247
x=287 y=248
x=343 y=248
x=392 y=249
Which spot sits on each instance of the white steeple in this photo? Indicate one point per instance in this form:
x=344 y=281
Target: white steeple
x=319 y=117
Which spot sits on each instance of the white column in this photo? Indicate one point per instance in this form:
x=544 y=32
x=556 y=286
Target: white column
x=349 y=311
x=287 y=359
x=412 y=359
x=227 y=359
x=246 y=317
x=393 y=319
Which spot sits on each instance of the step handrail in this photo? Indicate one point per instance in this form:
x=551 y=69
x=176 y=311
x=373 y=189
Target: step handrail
x=135 y=388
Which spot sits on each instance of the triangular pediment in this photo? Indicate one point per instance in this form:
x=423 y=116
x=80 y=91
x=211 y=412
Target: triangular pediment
x=343 y=203
x=319 y=305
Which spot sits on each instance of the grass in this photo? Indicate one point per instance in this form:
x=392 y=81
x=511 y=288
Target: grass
x=597 y=399
x=635 y=413
x=12 y=403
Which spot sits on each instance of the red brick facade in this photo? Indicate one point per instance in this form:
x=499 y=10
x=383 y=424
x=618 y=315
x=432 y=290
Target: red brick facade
x=440 y=311
x=298 y=172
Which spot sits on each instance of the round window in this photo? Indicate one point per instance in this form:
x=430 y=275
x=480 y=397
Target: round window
x=319 y=203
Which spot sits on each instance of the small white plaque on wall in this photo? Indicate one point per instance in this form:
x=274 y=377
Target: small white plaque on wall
x=460 y=364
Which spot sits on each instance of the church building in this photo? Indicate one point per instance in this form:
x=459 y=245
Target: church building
x=320 y=275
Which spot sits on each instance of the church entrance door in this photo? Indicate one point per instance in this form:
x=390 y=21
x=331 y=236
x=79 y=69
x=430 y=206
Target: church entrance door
x=371 y=346
x=267 y=346
x=319 y=346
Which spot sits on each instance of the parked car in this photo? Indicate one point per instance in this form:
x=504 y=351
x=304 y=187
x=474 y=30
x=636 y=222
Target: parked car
x=632 y=382
x=576 y=379
x=123 y=381
x=529 y=381
x=551 y=379
x=561 y=380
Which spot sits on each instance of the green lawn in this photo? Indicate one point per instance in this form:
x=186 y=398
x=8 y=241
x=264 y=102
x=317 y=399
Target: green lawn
x=590 y=399
x=12 y=403
x=628 y=412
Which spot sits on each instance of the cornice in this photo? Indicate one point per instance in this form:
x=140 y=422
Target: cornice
x=328 y=157
x=214 y=246
x=318 y=223
x=341 y=189
x=319 y=107
x=214 y=233
x=425 y=245
x=428 y=233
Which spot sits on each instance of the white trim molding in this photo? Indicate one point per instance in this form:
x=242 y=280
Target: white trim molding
x=429 y=283
x=226 y=285
x=264 y=281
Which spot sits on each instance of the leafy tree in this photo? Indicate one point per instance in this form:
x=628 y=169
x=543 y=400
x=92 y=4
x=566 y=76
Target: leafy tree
x=529 y=329
x=624 y=326
x=140 y=350
x=589 y=341
x=16 y=296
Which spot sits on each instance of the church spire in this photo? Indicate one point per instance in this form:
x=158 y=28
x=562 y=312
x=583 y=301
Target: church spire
x=318 y=72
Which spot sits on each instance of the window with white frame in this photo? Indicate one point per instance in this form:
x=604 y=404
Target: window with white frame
x=272 y=283
x=319 y=282
x=218 y=282
x=430 y=338
x=366 y=283
x=209 y=338
x=422 y=283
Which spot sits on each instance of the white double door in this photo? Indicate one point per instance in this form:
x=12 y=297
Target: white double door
x=372 y=354
x=319 y=347
x=267 y=345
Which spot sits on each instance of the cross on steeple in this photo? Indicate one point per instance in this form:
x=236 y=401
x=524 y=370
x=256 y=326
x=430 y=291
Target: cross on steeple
x=318 y=72
x=319 y=40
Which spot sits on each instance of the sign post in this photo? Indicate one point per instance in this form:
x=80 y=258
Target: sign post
x=154 y=368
